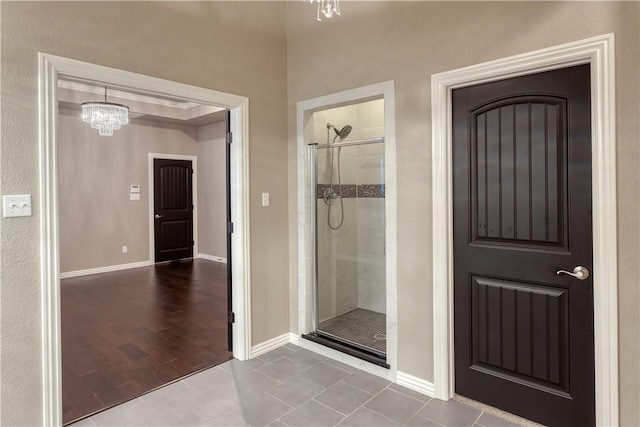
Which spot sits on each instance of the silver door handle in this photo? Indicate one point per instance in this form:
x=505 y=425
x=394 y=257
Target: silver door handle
x=159 y=216
x=580 y=272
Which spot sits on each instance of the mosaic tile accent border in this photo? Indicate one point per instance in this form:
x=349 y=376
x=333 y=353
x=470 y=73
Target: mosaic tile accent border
x=352 y=191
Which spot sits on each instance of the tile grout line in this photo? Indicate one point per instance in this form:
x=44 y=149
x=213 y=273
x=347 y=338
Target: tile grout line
x=476 y=420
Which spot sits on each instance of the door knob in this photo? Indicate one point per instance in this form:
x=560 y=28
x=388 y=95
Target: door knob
x=580 y=272
x=159 y=216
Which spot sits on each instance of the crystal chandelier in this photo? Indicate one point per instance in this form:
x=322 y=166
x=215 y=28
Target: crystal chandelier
x=105 y=116
x=327 y=7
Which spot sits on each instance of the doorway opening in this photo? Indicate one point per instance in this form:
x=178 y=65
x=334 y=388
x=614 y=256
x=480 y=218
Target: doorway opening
x=127 y=329
x=53 y=67
x=346 y=197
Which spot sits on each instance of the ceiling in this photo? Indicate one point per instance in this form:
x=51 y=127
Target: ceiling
x=142 y=106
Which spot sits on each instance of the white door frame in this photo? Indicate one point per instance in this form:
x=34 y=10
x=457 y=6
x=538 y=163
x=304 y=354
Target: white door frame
x=194 y=198
x=50 y=67
x=599 y=53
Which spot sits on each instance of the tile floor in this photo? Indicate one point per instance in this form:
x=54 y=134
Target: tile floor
x=288 y=386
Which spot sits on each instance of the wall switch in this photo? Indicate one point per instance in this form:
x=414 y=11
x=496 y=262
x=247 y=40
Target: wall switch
x=134 y=196
x=125 y=249
x=135 y=188
x=13 y=206
x=265 y=199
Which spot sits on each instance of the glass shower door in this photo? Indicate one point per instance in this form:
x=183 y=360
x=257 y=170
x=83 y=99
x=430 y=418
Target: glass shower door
x=350 y=237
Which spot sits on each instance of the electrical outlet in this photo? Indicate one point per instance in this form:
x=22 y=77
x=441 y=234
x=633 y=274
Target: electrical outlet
x=125 y=249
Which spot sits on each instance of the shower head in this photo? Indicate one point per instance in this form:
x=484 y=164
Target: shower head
x=342 y=133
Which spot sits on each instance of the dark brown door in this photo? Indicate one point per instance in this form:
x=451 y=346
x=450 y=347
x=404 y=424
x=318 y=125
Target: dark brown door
x=173 y=207
x=522 y=212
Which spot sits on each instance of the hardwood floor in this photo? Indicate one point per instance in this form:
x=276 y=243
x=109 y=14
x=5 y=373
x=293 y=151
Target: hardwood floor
x=128 y=332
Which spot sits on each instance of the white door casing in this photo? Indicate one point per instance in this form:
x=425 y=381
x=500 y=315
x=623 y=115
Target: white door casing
x=599 y=53
x=50 y=67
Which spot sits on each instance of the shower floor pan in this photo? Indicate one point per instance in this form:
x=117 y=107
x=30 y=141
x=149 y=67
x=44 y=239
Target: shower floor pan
x=362 y=327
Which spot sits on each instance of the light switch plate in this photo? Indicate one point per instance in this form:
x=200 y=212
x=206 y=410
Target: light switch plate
x=13 y=206
x=265 y=199
x=134 y=196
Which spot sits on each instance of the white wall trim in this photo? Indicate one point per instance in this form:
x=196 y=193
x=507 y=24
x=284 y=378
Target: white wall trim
x=212 y=258
x=385 y=90
x=151 y=191
x=272 y=344
x=414 y=383
x=49 y=68
x=98 y=270
x=599 y=52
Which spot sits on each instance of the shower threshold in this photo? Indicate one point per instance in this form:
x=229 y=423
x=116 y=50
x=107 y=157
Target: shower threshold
x=360 y=333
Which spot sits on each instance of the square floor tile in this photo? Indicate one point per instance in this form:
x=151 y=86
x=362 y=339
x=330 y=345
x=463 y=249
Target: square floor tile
x=210 y=379
x=276 y=354
x=132 y=413
x=323 y=374
x=172 y=395
x=411 y=393
x=253 y=382
x=312 y=413
x=450 y=413
x=340 y=365
x=366 y=382
x=235 y=366
x=343 y=398
x=281 y=369
x=293 y=347
x=306 y=358
x=260 y=409
x=394 y=405
x=418 y=421
x=295 y=391
x=226 y=419
x=367 y=418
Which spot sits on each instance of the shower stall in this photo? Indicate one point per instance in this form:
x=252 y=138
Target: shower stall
x=348 y=239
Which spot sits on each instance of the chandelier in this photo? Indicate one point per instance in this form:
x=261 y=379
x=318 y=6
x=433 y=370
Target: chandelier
x=105 y=116
x=327 y=7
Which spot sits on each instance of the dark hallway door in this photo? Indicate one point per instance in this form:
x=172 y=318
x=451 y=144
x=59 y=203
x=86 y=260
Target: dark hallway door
x=173 y=209
x=522 y=213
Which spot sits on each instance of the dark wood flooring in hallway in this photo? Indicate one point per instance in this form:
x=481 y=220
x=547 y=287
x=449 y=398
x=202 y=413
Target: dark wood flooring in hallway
x=128 y=332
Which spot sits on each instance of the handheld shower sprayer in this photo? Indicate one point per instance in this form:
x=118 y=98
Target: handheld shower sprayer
x=340 y=133
x=330 y=195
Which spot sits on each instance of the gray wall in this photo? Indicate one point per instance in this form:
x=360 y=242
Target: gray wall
x=408 y=42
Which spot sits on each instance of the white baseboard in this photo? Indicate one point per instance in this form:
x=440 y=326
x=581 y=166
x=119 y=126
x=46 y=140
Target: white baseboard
x=212 y=258
x=104 y=269
x=294 y=338
x=414 y=383
x=271 y=344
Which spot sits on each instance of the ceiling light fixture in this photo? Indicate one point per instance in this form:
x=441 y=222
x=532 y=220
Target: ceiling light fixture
x=105 y=116
x=327 y=7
